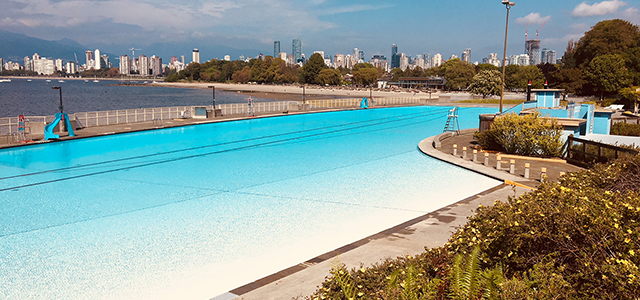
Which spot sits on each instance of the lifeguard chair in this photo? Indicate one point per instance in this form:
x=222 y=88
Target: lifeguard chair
x=452 y=121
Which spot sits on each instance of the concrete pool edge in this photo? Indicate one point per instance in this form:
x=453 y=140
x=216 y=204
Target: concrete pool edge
x=468 y=204
x=256 y=289
x=428 y=147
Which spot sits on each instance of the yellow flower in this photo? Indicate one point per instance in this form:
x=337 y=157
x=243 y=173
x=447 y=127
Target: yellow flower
x=627 y=240
x=516 y=223
x=632 y=252
x=615 y=225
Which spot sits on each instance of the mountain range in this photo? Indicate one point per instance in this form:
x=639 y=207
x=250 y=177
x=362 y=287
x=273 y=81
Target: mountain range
x=14 y=47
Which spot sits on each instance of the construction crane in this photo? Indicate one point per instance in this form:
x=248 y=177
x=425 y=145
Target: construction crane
x=74 y=54
x=538 y=31
x=133 y=51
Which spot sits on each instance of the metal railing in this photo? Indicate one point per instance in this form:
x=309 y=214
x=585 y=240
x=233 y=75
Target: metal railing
x=585 y=153
x=9 y=126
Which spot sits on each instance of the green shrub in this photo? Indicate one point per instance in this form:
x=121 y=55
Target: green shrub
x=587 y=227
x=530 y=135
x=625 y=129
x=578 y=238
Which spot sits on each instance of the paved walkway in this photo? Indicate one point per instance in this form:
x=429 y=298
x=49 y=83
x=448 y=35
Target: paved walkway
x=411 y=237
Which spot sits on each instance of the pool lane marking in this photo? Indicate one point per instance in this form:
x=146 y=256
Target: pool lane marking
x=209 y=146
x=194 y=156
x=215 y=193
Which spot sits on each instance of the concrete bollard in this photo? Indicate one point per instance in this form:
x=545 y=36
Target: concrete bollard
x=498 y=162
x=486 y=158
x=475 y=156
x=526 y=170
x=543 y=173
x=512 y=166
x=464 y=152
x=455 y=149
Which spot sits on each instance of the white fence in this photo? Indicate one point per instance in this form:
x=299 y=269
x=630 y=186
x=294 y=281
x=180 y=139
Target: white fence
x=9 y=126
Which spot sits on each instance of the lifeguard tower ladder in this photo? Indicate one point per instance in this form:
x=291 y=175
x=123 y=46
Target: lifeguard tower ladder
x=452 y=121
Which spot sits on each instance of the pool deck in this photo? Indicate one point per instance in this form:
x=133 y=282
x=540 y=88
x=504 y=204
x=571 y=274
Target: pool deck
x=409 y=238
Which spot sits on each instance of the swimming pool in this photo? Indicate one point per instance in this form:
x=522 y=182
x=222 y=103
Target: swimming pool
x=194 y=211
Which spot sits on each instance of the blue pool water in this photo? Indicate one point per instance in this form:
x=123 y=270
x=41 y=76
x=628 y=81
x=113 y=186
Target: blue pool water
x=195 y=211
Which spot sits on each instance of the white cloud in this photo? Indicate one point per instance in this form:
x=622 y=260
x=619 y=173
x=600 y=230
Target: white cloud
x=632 y=14
x=353 y=8
x=533 y=18
x=598 y=9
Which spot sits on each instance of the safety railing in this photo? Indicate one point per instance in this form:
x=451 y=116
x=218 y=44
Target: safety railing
x=9 y=126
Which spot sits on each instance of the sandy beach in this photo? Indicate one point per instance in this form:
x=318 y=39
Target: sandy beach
x=294 y=92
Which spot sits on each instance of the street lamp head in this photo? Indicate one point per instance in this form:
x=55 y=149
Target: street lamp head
x=508 y=3
x=55 y=87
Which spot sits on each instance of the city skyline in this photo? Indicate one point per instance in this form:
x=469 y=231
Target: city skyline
x=330 y=26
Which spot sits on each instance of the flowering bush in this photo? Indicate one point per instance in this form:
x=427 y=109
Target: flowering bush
x=523 y=135
x=577 y=238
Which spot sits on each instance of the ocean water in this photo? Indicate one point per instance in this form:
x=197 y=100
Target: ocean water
x=195 y=211
x=37 y=98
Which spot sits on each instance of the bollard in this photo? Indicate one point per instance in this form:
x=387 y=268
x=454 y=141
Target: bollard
x=526 y=170
x=475 y=156
x=455 y=149
x=486 y=158
x=543 y=173
x=498 y=162
x=464 y=152
x=512 y=166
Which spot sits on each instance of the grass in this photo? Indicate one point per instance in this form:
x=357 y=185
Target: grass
x=491 y=101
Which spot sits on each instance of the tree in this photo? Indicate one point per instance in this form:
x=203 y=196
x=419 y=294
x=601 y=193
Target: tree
x=608 y=74
x=330 y=77
x=482 y=67
x=630 y=96
x=607 y=37
x=459 y=75
x=510 y=80
x=571 y=80
x=311 y=70
x=486 y=83
x=526 y=73
x=242 y=76
x=113 y=72
x=365 y=76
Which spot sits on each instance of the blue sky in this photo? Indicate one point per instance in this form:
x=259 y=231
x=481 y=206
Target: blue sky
x=427 y=26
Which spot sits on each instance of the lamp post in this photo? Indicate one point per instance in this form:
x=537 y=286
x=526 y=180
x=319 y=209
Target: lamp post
x=60 y=89
x=508 y=4
x=214 y=96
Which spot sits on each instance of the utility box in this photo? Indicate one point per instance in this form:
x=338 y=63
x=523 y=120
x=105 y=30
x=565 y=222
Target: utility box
x=212 y=113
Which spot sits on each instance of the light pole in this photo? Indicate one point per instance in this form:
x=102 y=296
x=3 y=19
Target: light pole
x=214 y=96
x=60 y=89
x=508 y=4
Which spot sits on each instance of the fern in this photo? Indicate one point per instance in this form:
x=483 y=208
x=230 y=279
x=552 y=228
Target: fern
x=468 y=281
x=344 y=280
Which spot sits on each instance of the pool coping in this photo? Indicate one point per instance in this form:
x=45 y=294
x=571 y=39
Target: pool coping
x=427 y=147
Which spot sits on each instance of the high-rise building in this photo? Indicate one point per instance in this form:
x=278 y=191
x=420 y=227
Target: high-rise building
x=43 y=66
x=395 y=59
x=1 y=64
x=276 y=48
x=492 y=59
x=404 y=61
x=125 y=65
x=28 y=66
x=156 y=66
x=520 y=60
x=436 y=60
x=283 y=56
x=143 y=65
x=104 y=61
x=195 y=56
x=548 y=56
x=532 y=48
x=59 y=65
x=338 y=60
x=182 y=59
x=466 y=55
x=71 y=67
x=97 y=62
x=89 y=59
x=296 y=49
